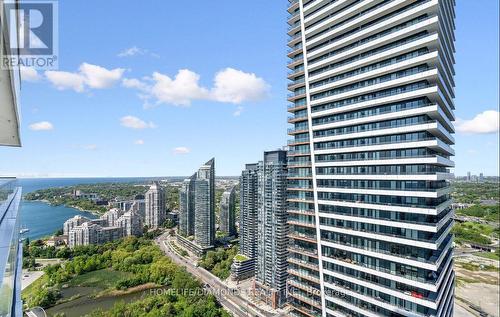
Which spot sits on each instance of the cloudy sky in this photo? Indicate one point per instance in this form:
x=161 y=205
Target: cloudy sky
x=156 y=88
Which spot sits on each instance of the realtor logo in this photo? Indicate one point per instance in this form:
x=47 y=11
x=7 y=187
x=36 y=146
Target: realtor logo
x=30 y=34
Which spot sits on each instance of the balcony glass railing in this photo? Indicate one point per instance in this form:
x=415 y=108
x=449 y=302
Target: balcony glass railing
x=296 y=93
x=397 y=123
x=293 y=26
x=10 y=249
x=294 y=48
x=296 y=70
x=298 y=129
x=375 y=51
x=372 y=37
x=392 y=252
x=297 y=140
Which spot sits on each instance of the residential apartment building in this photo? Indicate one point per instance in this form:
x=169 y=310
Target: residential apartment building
x=130 y=223
x=84 y=234
x=204 y=205
x=72 y=223
x=197 y=210
x=111 y=216
x=272 y=229
x=155 y=206
x=186 y=207
x=228 y=212
x=243 y=265
x=371 y=95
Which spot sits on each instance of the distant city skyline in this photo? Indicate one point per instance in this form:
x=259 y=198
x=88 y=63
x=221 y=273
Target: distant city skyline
x=111 y=111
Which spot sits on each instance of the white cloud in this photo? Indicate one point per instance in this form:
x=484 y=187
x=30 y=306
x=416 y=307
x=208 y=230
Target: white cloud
x=66 y=80
x=238 y=111
x=131 y=51
x=179 y=91
x=41 y=126
x=29 y=74
x=139 y=142
x=135 y=123
x=88 y=76
x=134 y=83
x=99 y=77
x=181 y=150
x=235 y=86
x=482 y=123
x=230 y=86
x=134 y=50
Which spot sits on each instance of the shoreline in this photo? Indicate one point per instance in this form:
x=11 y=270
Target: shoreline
x=45 y=201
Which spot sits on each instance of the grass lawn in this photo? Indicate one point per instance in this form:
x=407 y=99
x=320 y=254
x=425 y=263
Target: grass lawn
x=33 y=287
x=489 y=255
x=105 y=278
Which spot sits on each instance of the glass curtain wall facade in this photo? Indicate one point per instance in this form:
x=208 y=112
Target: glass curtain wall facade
x=372 y=110
x=204 y=223
x=228 y=212
x=272 y=229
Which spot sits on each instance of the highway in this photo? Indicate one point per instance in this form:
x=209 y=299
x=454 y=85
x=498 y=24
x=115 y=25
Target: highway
x=234 y=303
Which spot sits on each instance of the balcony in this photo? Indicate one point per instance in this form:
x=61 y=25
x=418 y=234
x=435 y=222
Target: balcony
x=296 y=49
x=295 y=83
x=307 y=264
x=297 y=130
x=301 y=223
x=292 y=4
x=312 y=252
x=10 y=248
x=298 y=164
x=303 y=237
x=304 y=275
x=296 y=95
x=301 y=212
x=298 y=141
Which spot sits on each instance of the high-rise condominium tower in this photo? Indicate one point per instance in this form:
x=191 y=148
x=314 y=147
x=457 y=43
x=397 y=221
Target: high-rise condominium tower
x=204 y=205
x=244 y=264
x=272 y=229
x=228 y=211
x=197 y=210
x=186 y=206
x=372 y=94
x=155 y=206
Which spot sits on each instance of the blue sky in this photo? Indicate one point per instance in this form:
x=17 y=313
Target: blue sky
x=86 y=120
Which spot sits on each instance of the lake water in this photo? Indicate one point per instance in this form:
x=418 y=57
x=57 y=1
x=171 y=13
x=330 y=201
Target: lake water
x=43 y=219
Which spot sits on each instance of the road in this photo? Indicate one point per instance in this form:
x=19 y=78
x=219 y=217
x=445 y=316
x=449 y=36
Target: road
x=232 y=302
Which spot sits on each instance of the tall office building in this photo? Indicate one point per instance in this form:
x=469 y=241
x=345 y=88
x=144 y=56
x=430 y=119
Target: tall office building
x=186 y=207
x=372 y=93
x=228 y=212
x=155 y=206
x=243 y=265
x=204 y=205
x=272 y=229
x=197 y=210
